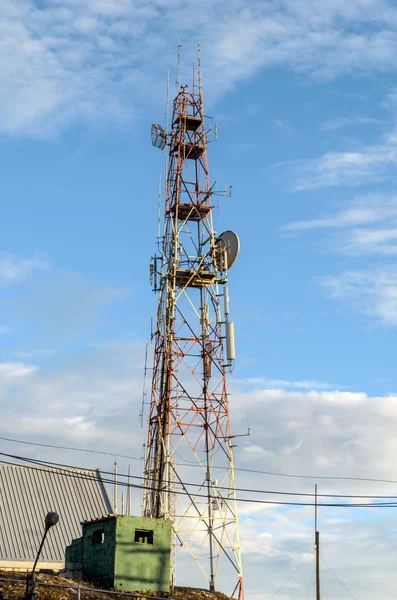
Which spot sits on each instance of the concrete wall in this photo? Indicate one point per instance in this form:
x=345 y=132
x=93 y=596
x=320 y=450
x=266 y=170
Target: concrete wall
x=98 y=555
x=73 y=552
x=129 y=553
x=142 y=565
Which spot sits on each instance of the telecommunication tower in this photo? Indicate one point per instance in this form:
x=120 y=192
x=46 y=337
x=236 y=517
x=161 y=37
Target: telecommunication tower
x=189 y=471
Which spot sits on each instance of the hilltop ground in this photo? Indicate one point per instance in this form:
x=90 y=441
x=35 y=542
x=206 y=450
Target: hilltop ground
x=16 y=591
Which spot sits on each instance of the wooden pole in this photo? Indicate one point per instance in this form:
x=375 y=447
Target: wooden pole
x=317 y=543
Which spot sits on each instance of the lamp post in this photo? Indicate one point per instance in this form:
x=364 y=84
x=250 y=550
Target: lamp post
x=51 y=519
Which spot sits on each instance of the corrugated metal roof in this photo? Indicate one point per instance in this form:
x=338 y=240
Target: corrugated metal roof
x=28 y=494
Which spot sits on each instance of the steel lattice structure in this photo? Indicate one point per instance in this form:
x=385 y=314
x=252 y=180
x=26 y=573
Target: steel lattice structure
x=189 y=415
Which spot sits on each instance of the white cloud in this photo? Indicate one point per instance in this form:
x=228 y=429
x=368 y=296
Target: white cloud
x=370 y=164
x=373 y=293
x=99 y=61
x=361 y=164
x=16 y=370
x=260 y=382
x=92 y=401
x=333 y=434
x=358 y=165
x=340 y=122
x=368 y=225
x=77 y=401
x=14 y=269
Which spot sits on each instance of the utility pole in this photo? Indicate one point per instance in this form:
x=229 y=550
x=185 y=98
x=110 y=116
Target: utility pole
x=317 y=544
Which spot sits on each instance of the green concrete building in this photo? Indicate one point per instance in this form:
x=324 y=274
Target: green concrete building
x=128 y=553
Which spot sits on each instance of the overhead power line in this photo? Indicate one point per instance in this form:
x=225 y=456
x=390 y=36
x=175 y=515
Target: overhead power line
x=241 y=469
x=71 y=471
x=191 y=484
x=69 y=448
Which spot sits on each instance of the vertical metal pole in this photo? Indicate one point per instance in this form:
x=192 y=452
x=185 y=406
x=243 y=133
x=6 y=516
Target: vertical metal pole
x=179 y=68
x=199 y=69
x=128 y=493
x=78 y=592
x=317 y=542
x=315 y=508
x=204 y=334
x=115 y=487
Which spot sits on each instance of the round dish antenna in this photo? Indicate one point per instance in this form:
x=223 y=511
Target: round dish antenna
x=228 y=247
x=159 y=137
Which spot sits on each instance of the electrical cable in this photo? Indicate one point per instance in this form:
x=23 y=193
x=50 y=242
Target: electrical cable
x=333 y=572
x=291 y=576
x=67 y=470
x=249 y=490
x=323 y=591
x=311 y=578
x=69 y=448
x=240 y=469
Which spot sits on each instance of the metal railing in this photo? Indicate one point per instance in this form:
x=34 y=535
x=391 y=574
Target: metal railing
x=80 y=588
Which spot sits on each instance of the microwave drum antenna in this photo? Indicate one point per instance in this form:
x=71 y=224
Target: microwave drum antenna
x=227 y=249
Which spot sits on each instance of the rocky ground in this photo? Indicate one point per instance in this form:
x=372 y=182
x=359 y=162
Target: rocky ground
x=10 y=590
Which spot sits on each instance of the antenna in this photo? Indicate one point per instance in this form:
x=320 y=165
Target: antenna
x=178 y=81
x=159 y=136
x=227 y=247
x=159 y=212
x=167 y=102
x=144 y=391
x=167 y=97
x=199 y=69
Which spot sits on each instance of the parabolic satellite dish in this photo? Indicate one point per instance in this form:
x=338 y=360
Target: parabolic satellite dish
x=228 y=245
x=159 y=137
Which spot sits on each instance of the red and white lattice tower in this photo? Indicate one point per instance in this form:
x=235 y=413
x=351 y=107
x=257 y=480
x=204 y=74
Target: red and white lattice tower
x=189 y=472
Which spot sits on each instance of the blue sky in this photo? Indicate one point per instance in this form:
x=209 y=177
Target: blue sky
x=305 y=96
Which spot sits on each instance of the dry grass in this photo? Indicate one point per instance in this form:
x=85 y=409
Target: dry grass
x=10 y=590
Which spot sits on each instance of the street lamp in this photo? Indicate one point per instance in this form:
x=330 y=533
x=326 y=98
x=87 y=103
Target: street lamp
x=51 y=519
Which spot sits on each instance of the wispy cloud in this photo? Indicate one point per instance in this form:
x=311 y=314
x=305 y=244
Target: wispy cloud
x=367 y=226
x=371 y=292
x=14 y=269
x=99 y=61
x=340 y=122
x=358 y=165
x=16 y=370
x=261 y=382
x=368 y=165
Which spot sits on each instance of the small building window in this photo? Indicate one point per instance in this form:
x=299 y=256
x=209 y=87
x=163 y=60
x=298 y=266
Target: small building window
x=143 y=536
x=98 y=537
